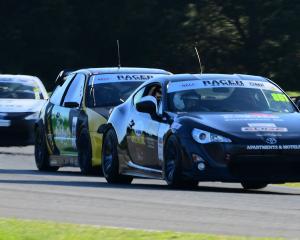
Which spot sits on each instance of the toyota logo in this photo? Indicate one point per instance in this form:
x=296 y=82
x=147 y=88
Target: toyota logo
x=271 y=140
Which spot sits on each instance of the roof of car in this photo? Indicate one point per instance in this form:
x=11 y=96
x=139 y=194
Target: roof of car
x=18 y=76
x=211 y=76
x=123 y=70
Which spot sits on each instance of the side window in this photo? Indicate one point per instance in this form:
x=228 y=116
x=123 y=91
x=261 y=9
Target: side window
x=75 y=91
x=154 y=91
x=59 y=90
x=137 y=97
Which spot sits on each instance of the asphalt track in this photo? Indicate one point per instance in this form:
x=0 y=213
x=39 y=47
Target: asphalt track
x=218 y=208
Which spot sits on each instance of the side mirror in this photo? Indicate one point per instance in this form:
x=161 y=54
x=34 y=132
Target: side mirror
x=60 y=79
x=147 y=104
x=71 y=104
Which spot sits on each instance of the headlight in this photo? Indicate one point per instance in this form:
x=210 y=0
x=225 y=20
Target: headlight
x=33 y=116
x=204 y=137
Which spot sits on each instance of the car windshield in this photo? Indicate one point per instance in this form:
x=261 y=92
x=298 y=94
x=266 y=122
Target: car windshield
x=19 y=89
x=228 y=96
x=109 y=90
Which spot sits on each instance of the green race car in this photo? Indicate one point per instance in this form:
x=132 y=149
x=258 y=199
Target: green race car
x=66 y=133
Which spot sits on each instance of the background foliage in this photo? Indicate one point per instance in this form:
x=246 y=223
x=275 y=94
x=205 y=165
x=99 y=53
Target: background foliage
x=41 y=37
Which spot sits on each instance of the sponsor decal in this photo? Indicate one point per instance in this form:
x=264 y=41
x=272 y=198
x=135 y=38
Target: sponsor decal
x=273 y=147
x=271 y=140
x=102 y=78
x=263 y=127
x=134 y=77
x=187 y=85
x=268 y=134
x=251 y=117
x=221 y=83
x=257 y=84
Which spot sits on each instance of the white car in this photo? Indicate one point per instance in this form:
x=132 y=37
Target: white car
x=21 y=99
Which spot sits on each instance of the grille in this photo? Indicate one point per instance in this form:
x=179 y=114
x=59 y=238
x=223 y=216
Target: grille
x=265 y=166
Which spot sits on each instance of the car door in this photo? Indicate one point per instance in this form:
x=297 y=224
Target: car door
x=142 y=134
x=51 y=114
x=65 y=117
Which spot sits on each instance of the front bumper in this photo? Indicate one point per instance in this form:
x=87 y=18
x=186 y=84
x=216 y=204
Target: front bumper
x=17 y=133
x=236 y=163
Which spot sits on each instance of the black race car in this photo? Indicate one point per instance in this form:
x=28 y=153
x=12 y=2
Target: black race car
x=210 y=127
x=21 y=99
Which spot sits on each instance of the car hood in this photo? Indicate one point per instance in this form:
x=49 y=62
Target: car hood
x=248 y=125
x=20 y=105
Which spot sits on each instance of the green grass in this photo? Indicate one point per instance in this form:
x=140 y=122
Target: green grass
x=293 y=93
x=291 y=184
x=13 y=229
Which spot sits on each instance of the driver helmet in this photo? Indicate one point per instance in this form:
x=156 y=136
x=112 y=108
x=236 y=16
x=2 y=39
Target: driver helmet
x=186 y=100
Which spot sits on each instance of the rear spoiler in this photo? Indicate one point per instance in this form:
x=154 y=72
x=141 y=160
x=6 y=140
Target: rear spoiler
x=60 y=79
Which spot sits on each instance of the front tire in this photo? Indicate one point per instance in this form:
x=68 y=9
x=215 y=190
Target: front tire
x=173 y=166
x=110 y=161
x=253 y=185
x=41 y=152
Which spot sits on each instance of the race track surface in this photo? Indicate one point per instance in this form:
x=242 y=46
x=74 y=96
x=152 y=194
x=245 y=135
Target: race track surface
x=219 y=208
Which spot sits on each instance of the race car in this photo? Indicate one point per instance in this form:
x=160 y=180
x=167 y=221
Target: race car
x=210 y=127
x=21 y=99
x=66 y=133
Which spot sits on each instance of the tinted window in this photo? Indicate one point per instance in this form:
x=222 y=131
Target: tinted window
x=20 y=89
x=75 y=91
x=137 y=97
x=110 y=94
x=59 y=90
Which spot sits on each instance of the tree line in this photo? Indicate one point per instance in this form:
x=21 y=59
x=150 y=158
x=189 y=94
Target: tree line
x=259 y=37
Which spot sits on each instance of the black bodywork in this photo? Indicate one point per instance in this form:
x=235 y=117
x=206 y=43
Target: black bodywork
x=20 y=132
x=249 y=157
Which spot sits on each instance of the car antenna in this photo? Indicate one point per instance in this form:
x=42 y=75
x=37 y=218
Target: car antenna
x=119 y=55
x=197 y=53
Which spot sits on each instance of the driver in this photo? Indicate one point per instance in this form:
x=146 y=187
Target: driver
x=187 y=100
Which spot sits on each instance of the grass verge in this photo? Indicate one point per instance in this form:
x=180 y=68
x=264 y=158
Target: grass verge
x=293 y=93
x=291 y=185
x=14 y=229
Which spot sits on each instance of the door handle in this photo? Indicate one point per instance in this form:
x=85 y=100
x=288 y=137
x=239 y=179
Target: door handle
x=57 y=115
x=131 y=124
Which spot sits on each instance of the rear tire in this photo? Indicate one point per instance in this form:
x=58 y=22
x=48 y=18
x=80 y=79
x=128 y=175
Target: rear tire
x=85 y=154
x=110 y=161
x=41 y=152
x=173 y=166
x=253 y=185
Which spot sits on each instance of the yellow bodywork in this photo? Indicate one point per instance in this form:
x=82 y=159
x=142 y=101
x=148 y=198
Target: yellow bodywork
x=95 y=120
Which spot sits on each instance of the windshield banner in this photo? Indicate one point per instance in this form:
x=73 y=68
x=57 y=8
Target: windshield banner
x=105 y=78
x=198 y=84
